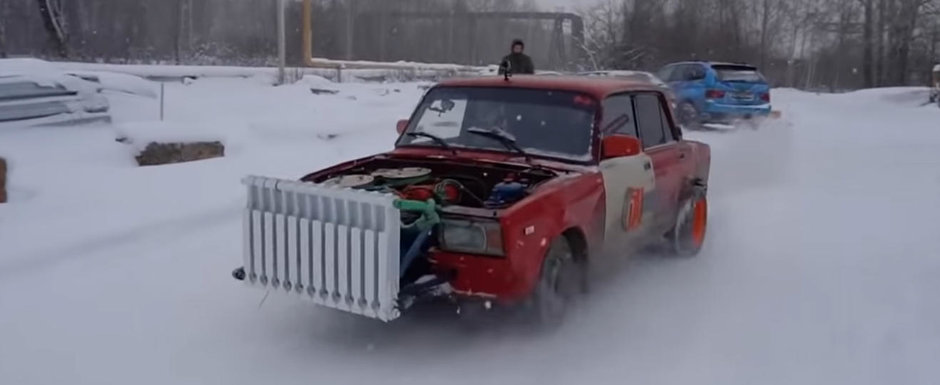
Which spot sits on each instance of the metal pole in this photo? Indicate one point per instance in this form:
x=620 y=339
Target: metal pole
x=281 y=42
x=162 y=87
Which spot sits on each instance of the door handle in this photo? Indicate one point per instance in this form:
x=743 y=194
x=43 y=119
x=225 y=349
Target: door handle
x=682 y=155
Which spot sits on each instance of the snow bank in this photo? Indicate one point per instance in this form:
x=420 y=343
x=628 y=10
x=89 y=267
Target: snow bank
x=20 y=66
x=357 y=72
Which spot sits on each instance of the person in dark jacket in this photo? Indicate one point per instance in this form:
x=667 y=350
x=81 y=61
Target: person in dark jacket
x=519 y=63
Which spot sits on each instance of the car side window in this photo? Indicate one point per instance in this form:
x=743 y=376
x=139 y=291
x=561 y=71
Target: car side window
x=678 y=74
x=670 y=131
x=694 y=72
x=618 y=116
x=649 y=118
x=667 y=74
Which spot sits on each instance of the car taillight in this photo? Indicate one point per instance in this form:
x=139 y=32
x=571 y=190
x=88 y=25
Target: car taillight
x=765 y=97
x=714 y=94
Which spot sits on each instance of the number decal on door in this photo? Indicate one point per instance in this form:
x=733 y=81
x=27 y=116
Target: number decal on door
x=633 y=209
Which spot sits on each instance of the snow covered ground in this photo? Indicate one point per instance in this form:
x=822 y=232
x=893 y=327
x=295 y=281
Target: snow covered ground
x=821 y=265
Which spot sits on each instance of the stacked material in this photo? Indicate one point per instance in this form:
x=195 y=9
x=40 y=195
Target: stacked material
x=32 y=93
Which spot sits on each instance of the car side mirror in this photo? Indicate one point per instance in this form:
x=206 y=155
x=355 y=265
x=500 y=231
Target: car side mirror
x=402 y=126
x=618 y=146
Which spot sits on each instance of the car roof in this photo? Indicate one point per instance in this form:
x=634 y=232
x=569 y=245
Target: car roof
x=599 y=87
x=714 y=63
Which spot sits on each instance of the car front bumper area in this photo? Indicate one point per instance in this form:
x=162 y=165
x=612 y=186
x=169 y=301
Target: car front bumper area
x=341 y=249
x=483 y=277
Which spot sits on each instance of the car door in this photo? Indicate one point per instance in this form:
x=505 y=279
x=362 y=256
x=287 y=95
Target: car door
x=691 y=84
x=661 y=144
x=627 y=181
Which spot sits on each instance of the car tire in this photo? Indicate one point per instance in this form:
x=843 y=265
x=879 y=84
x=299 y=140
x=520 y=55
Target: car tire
x=561 y=277
x=688 y=116
x=688 y=233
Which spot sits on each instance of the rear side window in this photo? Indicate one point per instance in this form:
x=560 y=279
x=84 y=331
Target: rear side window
x=666 y=74
x=618 y=116
x=649 y=119
x=693 y=72
x=733 y=73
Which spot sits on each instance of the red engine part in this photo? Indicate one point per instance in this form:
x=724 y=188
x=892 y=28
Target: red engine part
x=451 y=193
x=423 y=193
x=418 y=193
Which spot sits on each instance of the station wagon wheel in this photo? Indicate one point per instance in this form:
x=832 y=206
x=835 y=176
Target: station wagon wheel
x=558 y=282
x=688 y=116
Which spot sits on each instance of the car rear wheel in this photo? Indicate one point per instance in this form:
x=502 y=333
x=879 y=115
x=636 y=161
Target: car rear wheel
x=688 y=234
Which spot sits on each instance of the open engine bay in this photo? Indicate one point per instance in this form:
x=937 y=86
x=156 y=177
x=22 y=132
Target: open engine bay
x=445 y=183
x=451 y=206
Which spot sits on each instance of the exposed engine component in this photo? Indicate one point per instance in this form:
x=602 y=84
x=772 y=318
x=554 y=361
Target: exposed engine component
x=507 y=192
x=402 y=173
x=446 y=192
x=448 y=184
x=350 y=181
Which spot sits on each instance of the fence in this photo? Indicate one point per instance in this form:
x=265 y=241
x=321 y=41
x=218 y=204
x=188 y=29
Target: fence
x=244 y=32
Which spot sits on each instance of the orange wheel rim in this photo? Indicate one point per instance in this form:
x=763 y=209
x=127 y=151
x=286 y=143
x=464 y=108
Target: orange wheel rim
x=699 y=221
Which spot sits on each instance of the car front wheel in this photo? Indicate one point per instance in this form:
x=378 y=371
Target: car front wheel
x=558 y=283
x=689 y=116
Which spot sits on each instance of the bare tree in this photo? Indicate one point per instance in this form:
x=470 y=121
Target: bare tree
x=4 y=12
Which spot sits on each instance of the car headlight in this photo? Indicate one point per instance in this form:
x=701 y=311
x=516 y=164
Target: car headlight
x=472 y=237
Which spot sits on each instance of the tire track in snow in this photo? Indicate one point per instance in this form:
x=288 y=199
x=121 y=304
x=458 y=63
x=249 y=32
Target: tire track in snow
x=183 y=226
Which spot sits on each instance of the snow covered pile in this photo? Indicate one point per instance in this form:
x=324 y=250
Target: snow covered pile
x=141 y=134
x=159 y=143
x=38 y=93
x=49 y=74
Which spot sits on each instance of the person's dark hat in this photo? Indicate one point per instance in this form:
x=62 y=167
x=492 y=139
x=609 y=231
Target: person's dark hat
x=518 y=42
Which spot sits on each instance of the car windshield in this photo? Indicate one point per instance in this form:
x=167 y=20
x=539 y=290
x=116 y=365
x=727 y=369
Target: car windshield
x=738 y=74
x=547 y=123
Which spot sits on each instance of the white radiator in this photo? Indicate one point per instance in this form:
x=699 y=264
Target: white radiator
x=336 y=247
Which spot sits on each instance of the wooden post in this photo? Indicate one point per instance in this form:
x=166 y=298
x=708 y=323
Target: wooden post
x=281 y=43
x=162 y=88
x=3 y=180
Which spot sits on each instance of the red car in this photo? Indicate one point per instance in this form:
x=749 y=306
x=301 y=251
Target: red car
x=498 y=192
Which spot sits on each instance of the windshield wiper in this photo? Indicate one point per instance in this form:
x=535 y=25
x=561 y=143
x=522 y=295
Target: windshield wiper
x=435 y=138
x=505 y=138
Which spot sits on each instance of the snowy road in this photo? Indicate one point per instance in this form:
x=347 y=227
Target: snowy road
x=821 y=265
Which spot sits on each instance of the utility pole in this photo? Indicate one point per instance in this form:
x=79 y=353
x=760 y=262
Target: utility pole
x=281 y=42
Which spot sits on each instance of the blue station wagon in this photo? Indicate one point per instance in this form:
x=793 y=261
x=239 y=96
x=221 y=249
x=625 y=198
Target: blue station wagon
x=712 y=92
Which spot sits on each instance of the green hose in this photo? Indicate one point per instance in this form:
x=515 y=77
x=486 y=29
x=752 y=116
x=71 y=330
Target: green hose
x=428 y=210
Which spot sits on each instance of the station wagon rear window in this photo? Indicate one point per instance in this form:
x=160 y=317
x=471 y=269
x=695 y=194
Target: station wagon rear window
x=736 y=73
